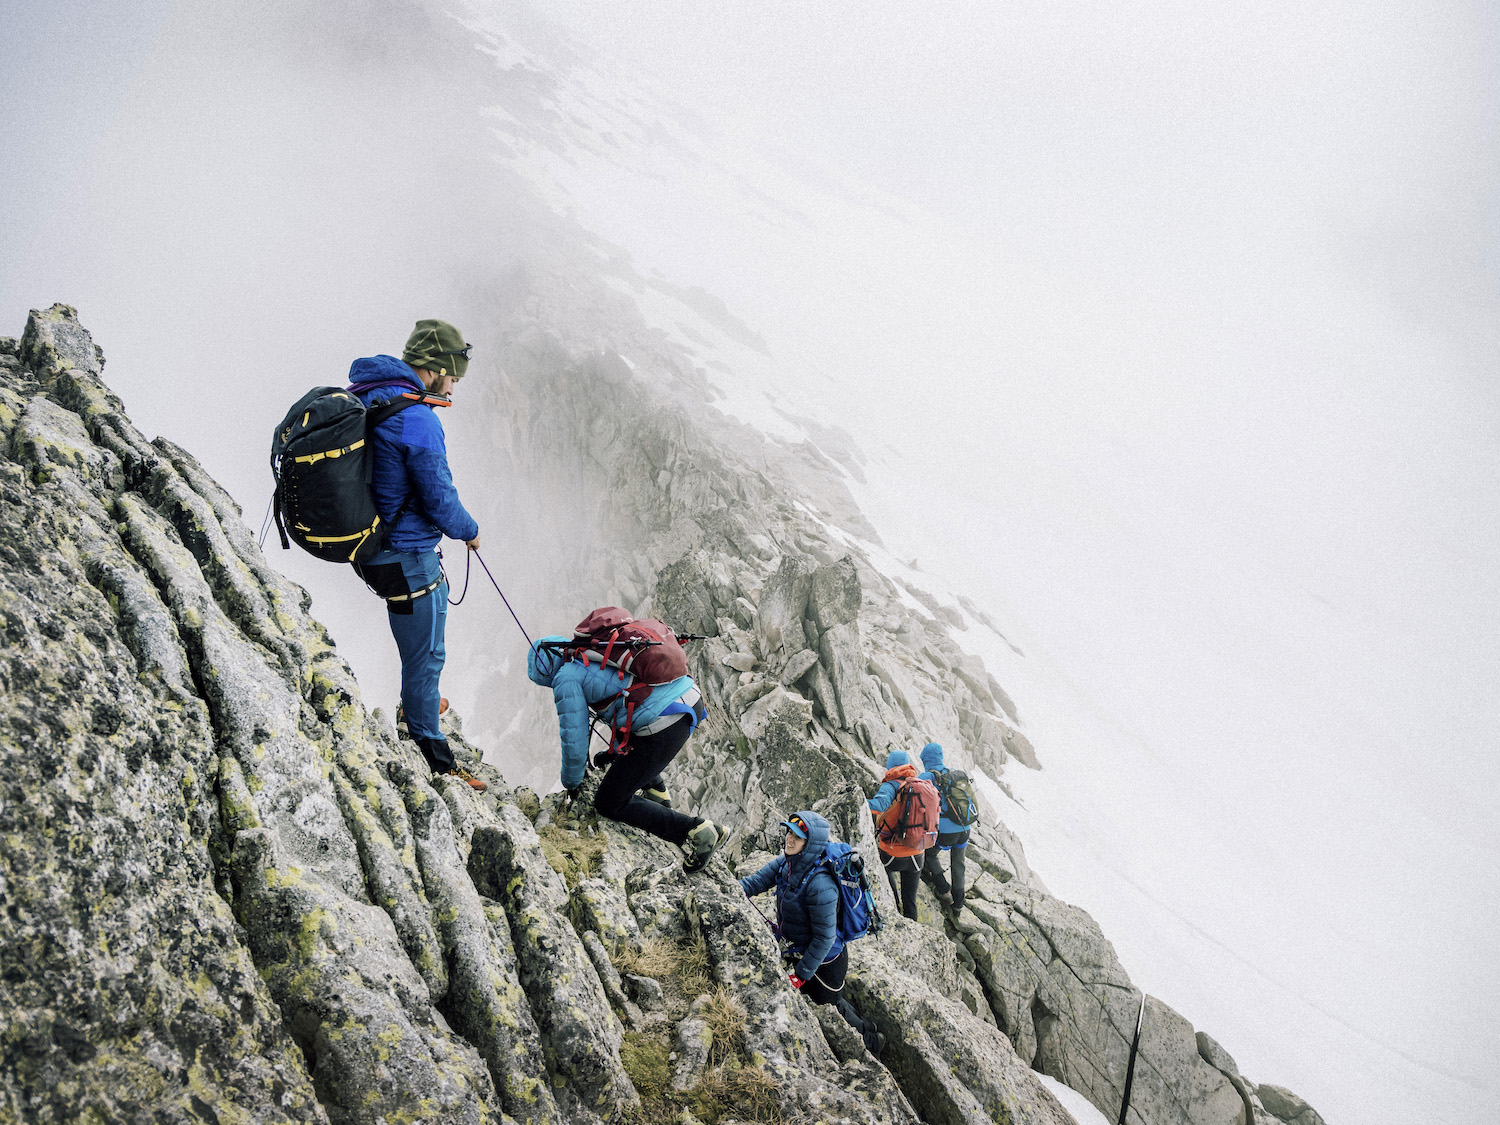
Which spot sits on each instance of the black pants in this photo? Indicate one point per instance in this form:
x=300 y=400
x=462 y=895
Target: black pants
x=908 y=869
x=957 y=843
x=641 y=769
x=827 y=987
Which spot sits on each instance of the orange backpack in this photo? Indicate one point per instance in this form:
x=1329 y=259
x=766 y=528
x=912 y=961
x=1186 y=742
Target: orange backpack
x=909 y=826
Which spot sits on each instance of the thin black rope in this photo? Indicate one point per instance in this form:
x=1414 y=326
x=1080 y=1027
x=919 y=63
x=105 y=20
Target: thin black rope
x=504 y=599
x=467 y=565
x=265 y=524
x=508 y=606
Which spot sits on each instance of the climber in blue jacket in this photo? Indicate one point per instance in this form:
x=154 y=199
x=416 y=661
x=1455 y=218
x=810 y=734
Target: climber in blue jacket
x=414 y=494
x=953 y=838
x=807 y=904
x=659 y=727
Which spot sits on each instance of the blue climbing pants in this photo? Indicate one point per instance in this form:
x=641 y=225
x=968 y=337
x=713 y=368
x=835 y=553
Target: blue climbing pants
x=417 y=622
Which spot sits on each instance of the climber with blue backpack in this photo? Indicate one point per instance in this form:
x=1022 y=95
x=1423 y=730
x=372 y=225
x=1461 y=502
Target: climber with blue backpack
x=957 y=812
x=822 y=904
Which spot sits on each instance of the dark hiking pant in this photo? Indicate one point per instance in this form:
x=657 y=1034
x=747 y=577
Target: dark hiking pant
x=904 y=873
x=641 y=769
x=827 y=987
x=956 y=844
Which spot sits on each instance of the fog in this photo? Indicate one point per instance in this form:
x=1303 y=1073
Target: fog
x=1170 y=335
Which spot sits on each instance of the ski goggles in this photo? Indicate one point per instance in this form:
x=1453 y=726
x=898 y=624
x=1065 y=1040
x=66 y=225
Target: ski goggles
x=796 y=826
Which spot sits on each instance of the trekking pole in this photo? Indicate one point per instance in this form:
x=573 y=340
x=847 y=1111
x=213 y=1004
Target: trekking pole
x=1135 y=1045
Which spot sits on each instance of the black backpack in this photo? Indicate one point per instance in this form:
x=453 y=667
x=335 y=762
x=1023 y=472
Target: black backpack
x=956 y=791
x=321 y=462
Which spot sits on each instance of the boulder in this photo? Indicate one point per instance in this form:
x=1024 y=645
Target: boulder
x=835 y=594
x=783 y=603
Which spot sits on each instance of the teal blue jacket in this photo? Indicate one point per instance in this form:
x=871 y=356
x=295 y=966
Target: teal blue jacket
x=578 y=688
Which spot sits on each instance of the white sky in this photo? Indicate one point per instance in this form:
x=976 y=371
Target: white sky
x=1171 y=330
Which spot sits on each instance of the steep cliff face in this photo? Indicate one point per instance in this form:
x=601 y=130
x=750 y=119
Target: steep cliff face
x=232 y=894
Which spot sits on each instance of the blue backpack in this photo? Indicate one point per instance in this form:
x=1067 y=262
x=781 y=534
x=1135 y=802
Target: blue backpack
x=857 y=914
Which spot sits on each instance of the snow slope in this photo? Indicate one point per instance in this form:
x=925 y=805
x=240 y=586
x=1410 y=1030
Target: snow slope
x=1212 y=634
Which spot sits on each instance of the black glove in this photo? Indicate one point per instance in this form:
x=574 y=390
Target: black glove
x=575 y=792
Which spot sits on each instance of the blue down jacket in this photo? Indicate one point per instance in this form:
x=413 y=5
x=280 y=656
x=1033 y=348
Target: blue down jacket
x=809 y=921
x=932 y=758
x=411 y=461
x=576 y=687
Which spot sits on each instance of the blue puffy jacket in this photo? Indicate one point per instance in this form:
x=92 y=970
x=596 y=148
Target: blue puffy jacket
x=932 y=758
x=577 y=687
x=411 y=461
x=809 y=921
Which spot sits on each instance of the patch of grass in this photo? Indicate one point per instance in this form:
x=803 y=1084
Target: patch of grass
x=738 y=1091
x=655 y=958
x=683 y=970
x=572 y=856
x=645 y=1061
x=693 y=978
x=725 y=1016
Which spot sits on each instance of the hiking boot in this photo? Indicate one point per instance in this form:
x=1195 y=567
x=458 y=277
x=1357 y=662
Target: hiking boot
x=874 y=1041
x=701 y=844
x=946 y=898
x=465 y=776
x=401 y=716
x=662 y=796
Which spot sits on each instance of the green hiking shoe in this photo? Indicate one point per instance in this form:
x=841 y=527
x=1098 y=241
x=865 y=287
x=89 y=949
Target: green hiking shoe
x=662 y=796
x=701 y=844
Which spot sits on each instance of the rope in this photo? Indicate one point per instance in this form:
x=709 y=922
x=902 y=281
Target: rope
x=513 y=617
x=265 y=524
x=467 y=564
x=504 y=599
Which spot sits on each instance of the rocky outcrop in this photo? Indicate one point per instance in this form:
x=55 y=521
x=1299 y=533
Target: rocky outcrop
x=232 y=894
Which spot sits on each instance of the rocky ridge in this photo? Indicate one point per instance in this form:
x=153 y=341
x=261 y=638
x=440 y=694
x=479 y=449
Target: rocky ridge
x=231 y=893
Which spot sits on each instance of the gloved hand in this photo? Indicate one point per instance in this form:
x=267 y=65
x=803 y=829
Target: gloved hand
x=797 y=982
x=575 y=792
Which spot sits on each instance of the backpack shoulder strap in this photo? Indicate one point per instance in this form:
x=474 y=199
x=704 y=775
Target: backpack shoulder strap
x=375 y=415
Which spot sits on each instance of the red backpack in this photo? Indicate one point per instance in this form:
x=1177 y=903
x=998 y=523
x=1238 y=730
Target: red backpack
x=909 y=826
x=646 y=650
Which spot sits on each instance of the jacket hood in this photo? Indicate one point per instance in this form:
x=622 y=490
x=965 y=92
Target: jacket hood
x=932 y=756
x=901 y=771
x=817 y=844
x=817 y=828
x=381 y=370
x=542 y=663
x=897 y=758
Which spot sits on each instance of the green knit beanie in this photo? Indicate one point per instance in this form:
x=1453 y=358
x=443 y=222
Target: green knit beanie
x=435 y=345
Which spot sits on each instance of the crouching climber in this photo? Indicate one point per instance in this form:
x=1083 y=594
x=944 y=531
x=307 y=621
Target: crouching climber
x=957 y=811
x=807 y=916
x=648 y=729
x=906 y=822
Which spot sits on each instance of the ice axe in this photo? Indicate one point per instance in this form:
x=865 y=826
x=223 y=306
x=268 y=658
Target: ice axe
x=1135 y=1045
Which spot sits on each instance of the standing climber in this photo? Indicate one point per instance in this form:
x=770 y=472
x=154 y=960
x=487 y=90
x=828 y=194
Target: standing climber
x=957 y=812
x=807 y=903
x=414 y=494
x=657 y=728
x=906 y=819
